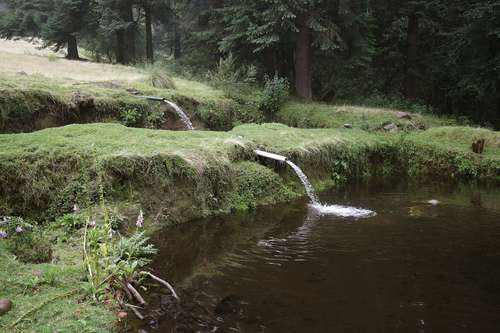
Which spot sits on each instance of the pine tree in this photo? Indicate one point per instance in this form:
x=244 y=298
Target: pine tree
x=297 y=25
x=58 y=22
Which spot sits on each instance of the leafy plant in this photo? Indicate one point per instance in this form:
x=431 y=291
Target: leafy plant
x=276 y=92
x=130 y=117
x=71 y=222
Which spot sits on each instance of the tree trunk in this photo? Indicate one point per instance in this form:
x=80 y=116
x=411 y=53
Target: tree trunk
x=412 y=57
x=149 y=35
x=177 y=38
x=121 y=56
x=498 y=100
x=303 y=74
x=130 y=34
x=72 y=48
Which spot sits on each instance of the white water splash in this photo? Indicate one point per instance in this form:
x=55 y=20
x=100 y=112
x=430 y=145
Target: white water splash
x=342 y=211
x=319 y=208
x=184 y=118
x=307 y=184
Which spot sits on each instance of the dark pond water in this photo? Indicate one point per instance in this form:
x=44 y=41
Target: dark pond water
x=414 y=267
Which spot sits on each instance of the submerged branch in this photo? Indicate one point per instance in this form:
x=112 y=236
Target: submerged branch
x=135 y=311
x=163 y=282
x=136 y=294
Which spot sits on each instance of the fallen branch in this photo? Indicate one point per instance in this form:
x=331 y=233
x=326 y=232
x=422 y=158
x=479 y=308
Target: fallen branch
x=135 y=293
x=135 y=311
x=163 y=282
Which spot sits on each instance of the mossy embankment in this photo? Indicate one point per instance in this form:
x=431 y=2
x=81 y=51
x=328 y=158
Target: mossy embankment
x=178 y=176
x=34 y=102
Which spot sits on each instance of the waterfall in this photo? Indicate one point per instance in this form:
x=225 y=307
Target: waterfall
x=182 y=115
x=311 y=193
x=184 y=118
x=317 y=207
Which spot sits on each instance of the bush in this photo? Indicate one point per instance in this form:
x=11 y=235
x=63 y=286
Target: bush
x=228 y=71
x=131 y=117
x=25 y=241
x=275 y=94
x=71 y=222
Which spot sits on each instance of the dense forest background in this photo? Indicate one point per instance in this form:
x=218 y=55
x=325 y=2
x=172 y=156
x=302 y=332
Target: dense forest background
x=443 y=54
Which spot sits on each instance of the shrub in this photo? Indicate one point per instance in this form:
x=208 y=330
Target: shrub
x=228 y=71
x=275 y=94
x=130 y=117
x=25 y=241
x=71 y=222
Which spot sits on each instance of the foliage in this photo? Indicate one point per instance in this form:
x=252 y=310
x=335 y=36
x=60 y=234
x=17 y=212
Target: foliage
x=71 y=222
x=275 y=94
x=111 y=264
x=131 y=117
x=25 y=241
x=229 y=72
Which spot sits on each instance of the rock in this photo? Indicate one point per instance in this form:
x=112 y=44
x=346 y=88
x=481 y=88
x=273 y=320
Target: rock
x=433 y=202
x=5 y=306
x=227 y=305
x=391 y=128
x=22 y=73
x=133 y=91
x=347 y=126
x=404 y=115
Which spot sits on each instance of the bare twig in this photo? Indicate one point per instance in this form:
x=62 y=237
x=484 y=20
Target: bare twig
x=135 y=311
x=163 y=282
x=135 y=293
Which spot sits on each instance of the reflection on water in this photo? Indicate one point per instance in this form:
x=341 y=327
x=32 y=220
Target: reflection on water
x=413 y=267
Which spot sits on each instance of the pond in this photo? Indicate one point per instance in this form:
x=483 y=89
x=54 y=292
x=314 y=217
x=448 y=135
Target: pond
x=416 y=266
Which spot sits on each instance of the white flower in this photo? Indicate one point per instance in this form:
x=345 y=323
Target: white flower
x=76 y=209
x=19 y=229
x=140 y=220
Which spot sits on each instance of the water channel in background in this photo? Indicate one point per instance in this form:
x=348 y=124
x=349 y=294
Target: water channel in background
x=415 y=266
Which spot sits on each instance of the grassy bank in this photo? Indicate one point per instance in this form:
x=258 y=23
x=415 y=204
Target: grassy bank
x=184 y=175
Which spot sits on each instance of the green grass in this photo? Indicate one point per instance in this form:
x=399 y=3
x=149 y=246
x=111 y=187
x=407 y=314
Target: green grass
x=47 y=171
x=29 y=286
x=322 y=115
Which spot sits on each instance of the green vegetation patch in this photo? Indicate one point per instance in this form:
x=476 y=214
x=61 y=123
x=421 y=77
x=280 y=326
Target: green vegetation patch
x=50 y=297
x=322 y=115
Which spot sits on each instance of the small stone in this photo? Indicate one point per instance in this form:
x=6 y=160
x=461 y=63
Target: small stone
x=404 y=115
x=122 y=315
x=5 y=306
x=433 y=202
x=391 y=128
x=347 y=126
x=133 y=91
